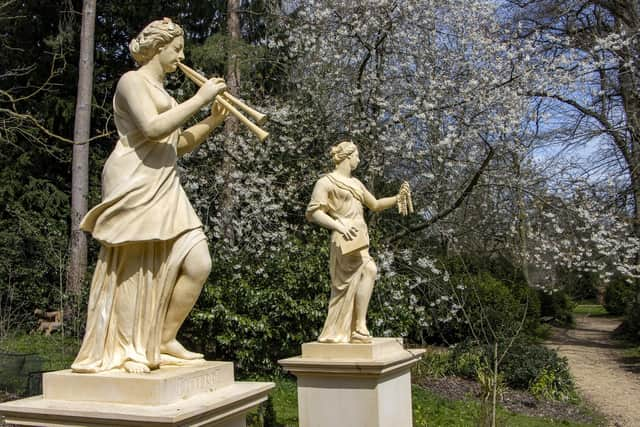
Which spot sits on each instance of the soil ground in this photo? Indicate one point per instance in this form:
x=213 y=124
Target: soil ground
x=604 y=376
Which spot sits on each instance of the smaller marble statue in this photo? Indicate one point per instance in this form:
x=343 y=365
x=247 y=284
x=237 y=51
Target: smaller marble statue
x=337 y=203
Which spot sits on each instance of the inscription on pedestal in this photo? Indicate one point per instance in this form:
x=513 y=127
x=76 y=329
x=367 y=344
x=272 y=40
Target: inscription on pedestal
x=190 y=386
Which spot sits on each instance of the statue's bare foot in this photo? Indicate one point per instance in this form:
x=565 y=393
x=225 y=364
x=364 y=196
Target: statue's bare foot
x=362 y=330
x=175 y=349
x=136 y=367
x=359 y=338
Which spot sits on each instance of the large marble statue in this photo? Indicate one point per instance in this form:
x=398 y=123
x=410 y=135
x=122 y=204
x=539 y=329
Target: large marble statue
x=154 y=257
x=337 y=204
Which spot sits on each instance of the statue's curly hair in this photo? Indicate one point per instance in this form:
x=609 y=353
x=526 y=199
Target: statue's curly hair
x=155 y=35
x=341 y=151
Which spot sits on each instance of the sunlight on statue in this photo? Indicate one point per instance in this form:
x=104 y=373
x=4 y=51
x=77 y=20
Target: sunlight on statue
x=337 y=204
x=154 y=257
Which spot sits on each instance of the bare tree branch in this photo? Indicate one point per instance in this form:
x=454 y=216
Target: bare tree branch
x=463 y=195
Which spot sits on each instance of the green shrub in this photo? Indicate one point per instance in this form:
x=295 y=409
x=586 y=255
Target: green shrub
x=618 y=296
x=579 y=285
x=542 y=332
x=630 y=328
x=553 y=384
x=488 y=381
x=525 y=363
x=491 y=304
x=434 y=364
x=557 y=306
x=485 y=303
x=467 y=360
x=258 y=311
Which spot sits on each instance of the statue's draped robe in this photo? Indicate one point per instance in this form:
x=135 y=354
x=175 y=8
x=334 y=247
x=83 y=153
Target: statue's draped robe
x=343 y=201
x=146 y=227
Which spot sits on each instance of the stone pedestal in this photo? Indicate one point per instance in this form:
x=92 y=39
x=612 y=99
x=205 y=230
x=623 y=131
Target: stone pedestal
x=354 y=385
x=202 y=394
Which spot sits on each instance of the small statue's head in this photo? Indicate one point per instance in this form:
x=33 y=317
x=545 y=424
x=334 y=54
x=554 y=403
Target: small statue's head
x=154 y=36
x=342 y=151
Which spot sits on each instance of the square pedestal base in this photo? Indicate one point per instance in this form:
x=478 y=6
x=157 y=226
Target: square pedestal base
x=158 y=387
x=200 y=395
x=354 y=385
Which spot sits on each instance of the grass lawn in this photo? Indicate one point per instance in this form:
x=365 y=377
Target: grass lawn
x=632 y=352
x=429 y=410
x=22 y=357
x=591 y=310
x=57 y=352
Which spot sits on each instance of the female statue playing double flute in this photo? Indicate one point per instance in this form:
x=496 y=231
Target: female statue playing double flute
x=154 y=257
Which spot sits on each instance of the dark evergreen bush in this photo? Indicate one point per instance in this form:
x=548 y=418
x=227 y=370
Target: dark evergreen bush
x=578 y=285
x=526 y=361
x=557 y=307
x=618 y=296
x=526 y=366
x=630 y=328
x=491 y=304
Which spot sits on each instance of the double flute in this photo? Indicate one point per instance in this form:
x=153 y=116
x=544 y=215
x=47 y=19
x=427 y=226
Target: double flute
x=230 y=102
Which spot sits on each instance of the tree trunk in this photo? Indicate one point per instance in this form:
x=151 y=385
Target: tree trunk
x=80 y=165
x=233 y=72
x=232 y=79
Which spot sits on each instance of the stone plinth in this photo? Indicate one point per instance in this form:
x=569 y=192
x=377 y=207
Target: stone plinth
x=159 y=387
x=354 y=385
x=204 y=394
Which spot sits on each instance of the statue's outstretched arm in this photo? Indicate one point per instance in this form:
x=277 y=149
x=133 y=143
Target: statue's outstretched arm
x=378 y=205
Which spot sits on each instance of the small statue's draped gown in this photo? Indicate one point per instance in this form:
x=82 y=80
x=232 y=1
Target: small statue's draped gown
x=343 y=201
x=146 y=227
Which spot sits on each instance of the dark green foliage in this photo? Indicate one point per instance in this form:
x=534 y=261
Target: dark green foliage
x=265 y=313
x=33 y=231
x=467 y=359
x=630 y=328
x=557 y=307
x=37 y=38
x=577 y=284
x=498 y=267
x=526 y=361
x=526 y=365
x=491 y=305
x=619 y=296
x=434 y=364
x=256 y=311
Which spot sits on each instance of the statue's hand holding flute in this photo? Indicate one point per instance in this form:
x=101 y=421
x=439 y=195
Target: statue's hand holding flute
x=211 y=88
x=229 y=102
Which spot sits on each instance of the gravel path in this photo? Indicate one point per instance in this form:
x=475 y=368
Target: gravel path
x=604 y=376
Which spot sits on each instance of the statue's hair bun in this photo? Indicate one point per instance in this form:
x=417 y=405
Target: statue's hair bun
x=155 y=35
x=341 y=151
